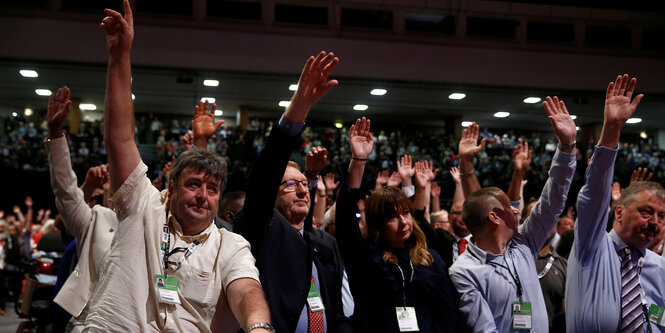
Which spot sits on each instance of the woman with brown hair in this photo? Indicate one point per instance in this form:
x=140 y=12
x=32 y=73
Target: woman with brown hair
x=398 y=285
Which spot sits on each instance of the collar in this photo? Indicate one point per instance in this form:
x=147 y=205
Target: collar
x=201 y=237
x=619 y=244
x=483 y=256
x=467 y=237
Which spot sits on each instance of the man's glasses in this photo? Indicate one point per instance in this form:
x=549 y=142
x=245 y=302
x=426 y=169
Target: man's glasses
x=291 y=184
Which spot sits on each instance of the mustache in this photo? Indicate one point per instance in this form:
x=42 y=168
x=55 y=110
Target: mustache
x=651 y=227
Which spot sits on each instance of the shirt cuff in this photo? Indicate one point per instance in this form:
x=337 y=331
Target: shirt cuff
x=409 y=191
x=290 y=128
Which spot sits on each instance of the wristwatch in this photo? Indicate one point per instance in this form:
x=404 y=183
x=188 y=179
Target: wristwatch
x=261 y=325
x=568 y=146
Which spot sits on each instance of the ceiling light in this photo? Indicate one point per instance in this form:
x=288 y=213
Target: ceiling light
x=293 y=87
x=219 y=113
x=28 y=112
x=643 y=135
x=339 y=125
x=633 y=120
x=457 y=96
x=14 y=114
x=378 y=92
x=210 y=83
x=360 y=107
x=133 y=97
x=85 y=106
x=284 y=103
x=573 y=117
x=577 y=128
x=532 y=100
x=501 y=114
x=28 y=73
x=209 y=99
x=43 y=92
x=467 y=123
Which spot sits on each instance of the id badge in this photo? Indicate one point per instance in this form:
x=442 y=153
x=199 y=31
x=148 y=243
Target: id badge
x=656 y=314
x=406 y=318
x=167 y=289
x=314 y=299
x=522 y=315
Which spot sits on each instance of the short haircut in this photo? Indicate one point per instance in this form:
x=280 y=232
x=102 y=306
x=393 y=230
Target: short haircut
x=293 y=165
x=228 y=200
x=628 y=194
x=435 y=214
x=477 y=206
x=200 y=160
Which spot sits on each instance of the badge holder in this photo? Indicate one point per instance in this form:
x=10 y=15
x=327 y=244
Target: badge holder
x=167 y=289
x=656 y=315
x=522 y=315
x=406 y=319
x=314 y=299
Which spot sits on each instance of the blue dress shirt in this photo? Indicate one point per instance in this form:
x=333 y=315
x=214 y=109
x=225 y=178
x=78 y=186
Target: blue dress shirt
x=483 y=280
x=593 y=288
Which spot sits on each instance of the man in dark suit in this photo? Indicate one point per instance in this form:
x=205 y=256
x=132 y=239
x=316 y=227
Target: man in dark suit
x=300 y=268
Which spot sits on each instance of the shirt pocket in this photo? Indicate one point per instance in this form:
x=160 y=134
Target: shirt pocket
x=198 y=287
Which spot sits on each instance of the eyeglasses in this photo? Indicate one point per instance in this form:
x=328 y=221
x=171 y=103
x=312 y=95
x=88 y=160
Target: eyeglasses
x=291 y=184
x=456 y=212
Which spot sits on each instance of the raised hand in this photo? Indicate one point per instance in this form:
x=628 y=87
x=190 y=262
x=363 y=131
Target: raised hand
x=312 y=85
x=454 y=172
x=330 y=183
x=405 y=168
x=616 y=193
x=468 y=147
x=522 y=156
x=640 y=175
x=119 y=30
x=435 y=191
x=320 y=185
x=187 y=140
x=28 y=201
x=58 y=106
x=315 y=161
x=203 y=124
x=394 y=179
x=429 y=170
x=381 y=179
x=360 y=139
x=618 y=106
x=167 y=168
x=97 y=176
x=421 y=176
x=563 y=125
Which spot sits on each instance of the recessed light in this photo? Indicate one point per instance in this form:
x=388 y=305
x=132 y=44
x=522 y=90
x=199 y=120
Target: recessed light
x=532 y=100
x=43 y=92
x=633 y=120
x=210 y=83
x=467 y=123
x=339 y=125
x=209 y=99
x=643 y=135
x=284 y=103
x=501 y=114
x=293 y=87
x=85 y=106
x=219 y=113
x=28 y=112
x=577 y=128
x=456 y=96
x=133 y=97
x=14 y=114
x=573 y=117
x=378 y=92
x=360 y=107
x=28 y=73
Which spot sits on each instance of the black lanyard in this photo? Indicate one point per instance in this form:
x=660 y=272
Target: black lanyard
x=166 y=245
x=515 y=275
x=401 y=273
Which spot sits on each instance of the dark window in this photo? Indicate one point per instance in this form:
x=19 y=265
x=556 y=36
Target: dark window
x=377 y=19
x=551 y=32
x=26 y=3
x=235 y=9
x=641 y=5
x=96 y=6
x=607 y=36
x=489 y=27
x=436 y=23
x=168 y=7
x=301 y=14
x=653 y=39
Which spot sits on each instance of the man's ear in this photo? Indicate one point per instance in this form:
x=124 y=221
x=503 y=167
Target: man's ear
x=618 y=213
x=228 y=216
x=493 y=217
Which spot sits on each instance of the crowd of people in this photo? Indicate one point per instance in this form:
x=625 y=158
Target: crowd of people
x=340 y=230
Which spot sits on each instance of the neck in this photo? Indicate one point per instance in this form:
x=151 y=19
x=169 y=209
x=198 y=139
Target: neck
x=547 y=249
x=193 y=229
x=491 y=244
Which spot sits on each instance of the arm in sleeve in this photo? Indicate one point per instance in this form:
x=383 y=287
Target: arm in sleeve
x=592 y=203
x=552 y=201
x=476 y=313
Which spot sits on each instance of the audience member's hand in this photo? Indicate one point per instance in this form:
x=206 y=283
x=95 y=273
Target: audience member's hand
x=312 y=85
x=320 y=185
x=330 y=183
x=394 y=179
x=405 y=168
x=524 y=182
x=422 y=179
x=381 y=179
x=522 y=156
x=47 y=214
x=28 y=202
x=454 y=172
x=58 y=106
x=616 y=192
x=97 y=176
x=435 y=191
x=204 y=124
x=361 y=139
x=468 y=147
x=167 y=168
x=187 y=140
x=16 y=209
x=158 y=183
x=562 y=123
x=2 y=214
x=119 y=30
x=640 y=175
x=618 y=106
x=315 y=161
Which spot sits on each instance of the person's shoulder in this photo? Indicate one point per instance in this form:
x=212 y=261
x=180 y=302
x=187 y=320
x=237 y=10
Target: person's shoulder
x=654 y=258
x=322 y=237
x=464 y=263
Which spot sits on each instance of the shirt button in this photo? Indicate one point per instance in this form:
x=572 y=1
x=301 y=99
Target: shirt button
x=76 y=273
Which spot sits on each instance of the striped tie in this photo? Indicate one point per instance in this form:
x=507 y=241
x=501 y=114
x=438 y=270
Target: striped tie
x=631 y=305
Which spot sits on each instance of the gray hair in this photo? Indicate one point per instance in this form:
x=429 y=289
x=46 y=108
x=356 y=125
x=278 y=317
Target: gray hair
x=628 y=194
x=200 y=160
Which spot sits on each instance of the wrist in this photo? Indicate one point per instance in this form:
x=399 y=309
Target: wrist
x=361 y=159
x=55 y=133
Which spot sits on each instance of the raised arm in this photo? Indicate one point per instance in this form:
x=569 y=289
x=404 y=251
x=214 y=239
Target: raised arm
x=468 y=148
x=521 y=161
x=123 y=155
x=203 y=124
x=424 y=175
x=594 y=197
x=435 y=193
x=362 y=143
x=457 y=178
x=330 y=183
x=313 y=85
x=640 y=175
x=406 y=171
x=319 y=204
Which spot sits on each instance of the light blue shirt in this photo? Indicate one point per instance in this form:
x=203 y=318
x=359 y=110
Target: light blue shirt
x=593 y=288
x=487 y=289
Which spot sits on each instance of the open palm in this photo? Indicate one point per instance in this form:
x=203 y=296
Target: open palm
x=360 y=139
x=618 y=106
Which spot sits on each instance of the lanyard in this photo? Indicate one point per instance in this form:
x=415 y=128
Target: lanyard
x=547 y=267
x=515 y=276
x=166 y=245
x=401 y=273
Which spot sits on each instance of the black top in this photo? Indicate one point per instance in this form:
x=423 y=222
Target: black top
x=553 y=284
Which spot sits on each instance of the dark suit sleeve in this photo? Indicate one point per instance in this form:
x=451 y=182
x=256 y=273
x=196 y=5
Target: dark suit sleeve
x=437 y=239
x=262 y=188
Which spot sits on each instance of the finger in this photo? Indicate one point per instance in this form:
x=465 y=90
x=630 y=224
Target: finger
x=330 y=66
x=526 y=146
x=555 y=105
x=610 y=88
x=307 y=68
x=317 y=61
x=214 y=107
x=624 y=82
x=562 y=107
x=218 y=124
x=636 y=101
x=324 y=62
x=631 y=87
x=617 y=85
x=129 y=16
x=482 y=144
x=649 y=177
x=51 y=100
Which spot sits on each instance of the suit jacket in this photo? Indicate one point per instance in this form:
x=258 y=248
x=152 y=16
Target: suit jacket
x=438 y=239
x=284 y=257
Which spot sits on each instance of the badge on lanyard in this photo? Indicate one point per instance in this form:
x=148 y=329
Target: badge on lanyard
x=167 y=288
x=406 y=318
x=314 y=299
x=522 y=315
x=656 y=314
